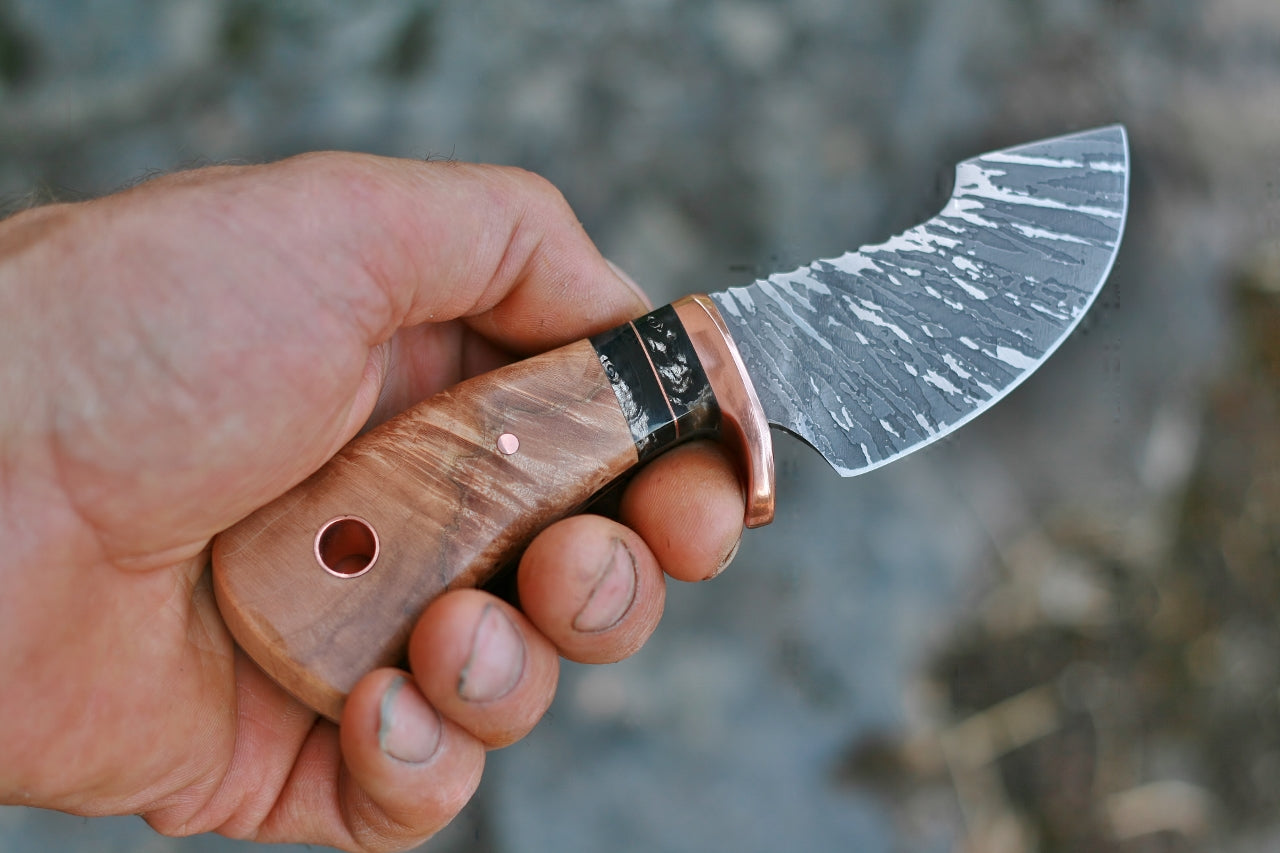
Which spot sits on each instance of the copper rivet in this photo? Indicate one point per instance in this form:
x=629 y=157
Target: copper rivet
x=508 y=443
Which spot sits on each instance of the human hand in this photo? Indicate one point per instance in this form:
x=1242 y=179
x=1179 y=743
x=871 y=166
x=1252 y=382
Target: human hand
x=179 y=354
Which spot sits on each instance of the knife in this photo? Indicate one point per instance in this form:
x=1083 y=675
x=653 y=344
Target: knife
x=865 y=357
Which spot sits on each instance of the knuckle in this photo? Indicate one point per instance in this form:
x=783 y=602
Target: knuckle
x=358 y=180
x=540 y=196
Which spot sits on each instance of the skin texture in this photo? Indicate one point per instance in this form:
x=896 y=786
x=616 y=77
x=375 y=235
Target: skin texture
x=179 y=354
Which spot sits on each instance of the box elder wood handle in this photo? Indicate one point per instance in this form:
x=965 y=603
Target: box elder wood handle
x=325 y=583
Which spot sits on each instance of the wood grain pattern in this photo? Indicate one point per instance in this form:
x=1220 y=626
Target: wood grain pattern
x=448 y=508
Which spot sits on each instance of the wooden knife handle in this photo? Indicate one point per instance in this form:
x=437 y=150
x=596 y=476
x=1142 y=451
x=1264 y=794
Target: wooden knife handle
x=325 y=583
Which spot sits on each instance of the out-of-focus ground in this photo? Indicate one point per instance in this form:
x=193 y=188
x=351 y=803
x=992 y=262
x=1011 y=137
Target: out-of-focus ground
x=1056 y=631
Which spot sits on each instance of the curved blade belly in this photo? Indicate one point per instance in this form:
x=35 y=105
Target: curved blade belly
x=876 y=353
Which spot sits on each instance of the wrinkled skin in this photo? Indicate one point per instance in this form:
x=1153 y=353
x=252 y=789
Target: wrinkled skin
x=179 y=354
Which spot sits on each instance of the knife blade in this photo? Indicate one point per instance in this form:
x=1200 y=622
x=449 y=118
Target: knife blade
x=865 y=357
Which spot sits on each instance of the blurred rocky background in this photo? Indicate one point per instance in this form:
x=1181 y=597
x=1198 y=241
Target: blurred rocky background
x=1056 y=631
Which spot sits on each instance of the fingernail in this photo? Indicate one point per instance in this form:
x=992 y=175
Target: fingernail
x=728 y=558
x=613 y=593
x=408 y=728
x=496 y=660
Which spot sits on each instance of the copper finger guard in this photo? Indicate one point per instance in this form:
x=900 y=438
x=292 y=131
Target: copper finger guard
x=678 y=375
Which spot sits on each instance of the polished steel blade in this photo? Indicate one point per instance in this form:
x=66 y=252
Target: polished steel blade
x=876 y=353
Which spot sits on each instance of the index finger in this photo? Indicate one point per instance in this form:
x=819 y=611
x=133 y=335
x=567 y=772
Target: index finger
x=497 y=246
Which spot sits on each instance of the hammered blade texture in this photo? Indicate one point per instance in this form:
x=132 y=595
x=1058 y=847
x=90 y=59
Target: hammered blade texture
x=876 y=353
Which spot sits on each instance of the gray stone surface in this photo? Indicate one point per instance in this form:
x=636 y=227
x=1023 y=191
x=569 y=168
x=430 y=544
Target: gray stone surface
x=703 y=143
